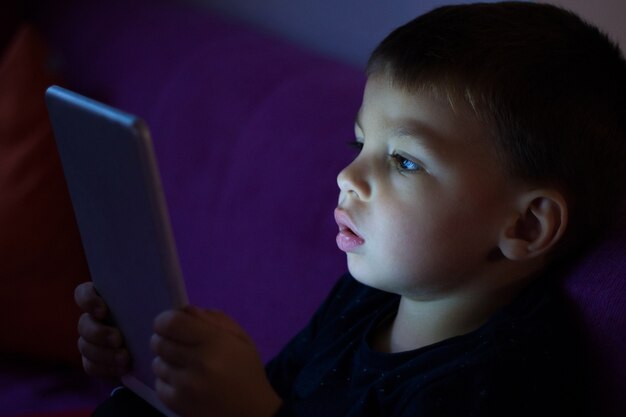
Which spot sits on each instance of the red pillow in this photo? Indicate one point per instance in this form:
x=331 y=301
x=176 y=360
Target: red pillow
x=41 y=256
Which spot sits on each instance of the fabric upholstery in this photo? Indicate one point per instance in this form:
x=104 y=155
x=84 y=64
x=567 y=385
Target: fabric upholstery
x=40 y=248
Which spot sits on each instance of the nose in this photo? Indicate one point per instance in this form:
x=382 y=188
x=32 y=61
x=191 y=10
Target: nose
x=353 y=180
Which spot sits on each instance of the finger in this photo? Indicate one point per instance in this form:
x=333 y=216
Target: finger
x=103 y=355
x=99 y=370
x=176 y=392
x=97 y=333
x=173 y=352
x=222 y=322
x=181 y=326
x=168 y=394
x=163 y=370
x=103 y=361
x=88 y=300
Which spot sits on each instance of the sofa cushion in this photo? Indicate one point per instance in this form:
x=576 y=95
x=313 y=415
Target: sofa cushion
x=596 y=286
x=40 y=248
x=249 y=132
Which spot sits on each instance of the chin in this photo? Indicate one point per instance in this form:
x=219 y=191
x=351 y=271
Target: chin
x=372 y=280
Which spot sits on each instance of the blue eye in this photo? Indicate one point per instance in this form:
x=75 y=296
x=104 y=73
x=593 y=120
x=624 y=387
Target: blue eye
x=405 y=165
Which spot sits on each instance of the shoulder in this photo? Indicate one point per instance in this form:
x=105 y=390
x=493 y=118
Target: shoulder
x=524 y=361
x=339 y=324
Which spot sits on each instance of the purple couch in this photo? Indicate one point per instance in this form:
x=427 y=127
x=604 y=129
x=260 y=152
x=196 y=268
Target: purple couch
x=250 y=133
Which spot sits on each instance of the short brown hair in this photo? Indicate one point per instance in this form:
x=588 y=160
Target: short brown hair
x=550 y=87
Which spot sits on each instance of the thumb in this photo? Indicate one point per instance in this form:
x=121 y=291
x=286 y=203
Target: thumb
x=219 y=319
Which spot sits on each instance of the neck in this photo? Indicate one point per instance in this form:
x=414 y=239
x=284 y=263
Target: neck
x=420 y=323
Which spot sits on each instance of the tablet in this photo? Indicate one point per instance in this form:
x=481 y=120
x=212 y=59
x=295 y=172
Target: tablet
x=112 y=177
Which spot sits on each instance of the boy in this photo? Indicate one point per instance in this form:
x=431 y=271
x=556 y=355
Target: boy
x=491 y=142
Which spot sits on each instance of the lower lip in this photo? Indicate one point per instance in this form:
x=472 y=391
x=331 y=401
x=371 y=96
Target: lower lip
x=347 y=241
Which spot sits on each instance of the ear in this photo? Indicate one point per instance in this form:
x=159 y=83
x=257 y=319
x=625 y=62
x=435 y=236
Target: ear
x=537 y=226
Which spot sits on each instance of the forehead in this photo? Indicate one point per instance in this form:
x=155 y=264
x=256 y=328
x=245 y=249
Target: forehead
x=446 y=128
x=386 y=106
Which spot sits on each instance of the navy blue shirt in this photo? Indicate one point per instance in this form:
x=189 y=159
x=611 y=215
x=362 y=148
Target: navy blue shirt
x=523 y=362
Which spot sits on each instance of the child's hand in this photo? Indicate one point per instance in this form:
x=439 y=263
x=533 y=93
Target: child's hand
x=101 y=346
x=207 y=365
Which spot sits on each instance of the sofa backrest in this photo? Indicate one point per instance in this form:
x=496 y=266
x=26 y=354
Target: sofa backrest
x=596 y=286
x=249 y=133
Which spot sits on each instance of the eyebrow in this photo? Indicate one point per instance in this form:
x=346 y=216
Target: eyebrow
x=416 y=131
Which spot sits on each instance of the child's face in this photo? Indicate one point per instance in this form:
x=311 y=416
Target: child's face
x=422 y=206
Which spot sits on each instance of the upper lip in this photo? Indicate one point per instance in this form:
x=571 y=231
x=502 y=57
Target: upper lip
x=345 y=222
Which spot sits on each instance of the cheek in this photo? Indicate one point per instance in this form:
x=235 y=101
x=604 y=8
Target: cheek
x=421 y=233
x=468 y=228
x=405 y=230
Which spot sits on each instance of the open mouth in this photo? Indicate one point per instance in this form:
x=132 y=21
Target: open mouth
x=347 y=231
x=348 y=239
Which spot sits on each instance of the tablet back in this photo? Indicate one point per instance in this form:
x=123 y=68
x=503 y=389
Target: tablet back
x=113 y=180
